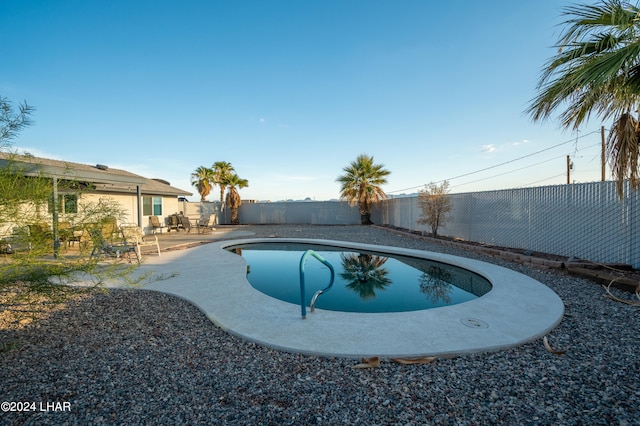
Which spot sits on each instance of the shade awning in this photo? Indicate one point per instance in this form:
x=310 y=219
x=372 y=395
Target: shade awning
x=68 y=172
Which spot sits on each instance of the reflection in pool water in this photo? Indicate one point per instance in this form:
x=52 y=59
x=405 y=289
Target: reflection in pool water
x=365 y=281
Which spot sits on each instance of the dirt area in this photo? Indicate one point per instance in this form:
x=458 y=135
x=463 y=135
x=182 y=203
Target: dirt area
x=22 y=304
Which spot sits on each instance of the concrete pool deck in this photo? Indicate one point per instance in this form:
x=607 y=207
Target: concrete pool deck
x=518 y=309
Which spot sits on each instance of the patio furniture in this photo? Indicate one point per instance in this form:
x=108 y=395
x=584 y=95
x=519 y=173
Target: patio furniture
x=206 y=223
x=179 y=221
x=109 y=229
x=185 y=223
x=77 y=232
x=5 y=246
x=154 y=221
x=17 y=240
x=173 y=223
x=83 y=236
x=134 y=236
x=64 y=228
x=40 y=235
x=102 y=246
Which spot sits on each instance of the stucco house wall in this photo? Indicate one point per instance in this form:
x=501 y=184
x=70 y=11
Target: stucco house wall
x=129 y=203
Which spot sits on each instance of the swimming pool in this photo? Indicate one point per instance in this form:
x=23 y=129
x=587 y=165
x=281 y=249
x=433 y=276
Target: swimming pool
x=518 y=308
x=365 y=281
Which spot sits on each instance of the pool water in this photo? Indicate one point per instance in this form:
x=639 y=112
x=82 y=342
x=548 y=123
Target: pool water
x=364 y=281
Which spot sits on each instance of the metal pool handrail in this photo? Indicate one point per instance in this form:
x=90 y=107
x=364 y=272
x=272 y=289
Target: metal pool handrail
x=303 y=305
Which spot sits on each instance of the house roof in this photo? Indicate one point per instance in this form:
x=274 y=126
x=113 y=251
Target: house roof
x=150 y=187
x=106 y=179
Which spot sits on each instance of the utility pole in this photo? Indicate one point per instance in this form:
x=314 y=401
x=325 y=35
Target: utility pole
x=568 y=169
x=603 y=157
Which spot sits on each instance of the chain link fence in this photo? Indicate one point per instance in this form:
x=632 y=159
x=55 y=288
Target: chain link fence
x=302 y=212
x=587 y=221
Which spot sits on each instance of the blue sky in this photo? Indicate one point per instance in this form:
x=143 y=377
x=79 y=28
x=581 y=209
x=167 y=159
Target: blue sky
x=290 y=92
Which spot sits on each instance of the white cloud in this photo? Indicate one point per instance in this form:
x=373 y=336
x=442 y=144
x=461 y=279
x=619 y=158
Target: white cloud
x=493 y=148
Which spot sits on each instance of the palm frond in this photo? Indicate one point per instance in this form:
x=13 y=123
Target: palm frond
x=597 y=72
x=622 y=149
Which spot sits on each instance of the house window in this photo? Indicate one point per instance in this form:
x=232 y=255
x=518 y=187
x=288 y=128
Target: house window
x=70 y=203
x=67 y=204
x=152 y=206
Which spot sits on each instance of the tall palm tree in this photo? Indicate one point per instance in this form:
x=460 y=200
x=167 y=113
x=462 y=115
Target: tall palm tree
x=202 y=179
x=221 y=171
x=365 y=274
x=361 y=185
x=597 y=70
x=233 y=201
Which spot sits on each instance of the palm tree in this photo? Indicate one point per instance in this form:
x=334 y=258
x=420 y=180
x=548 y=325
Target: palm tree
x=233 y=201
x=221 y=171
x=597 y=70
x=365 y=274
x=361 y=185
x=202 y=179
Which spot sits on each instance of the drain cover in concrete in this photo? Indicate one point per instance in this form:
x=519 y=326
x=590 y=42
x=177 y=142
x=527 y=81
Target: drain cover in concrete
x=474 y=323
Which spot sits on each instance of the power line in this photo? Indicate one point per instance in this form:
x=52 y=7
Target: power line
x=510 y=171
x=497 y=165
x=522 y=168
x=538 y=181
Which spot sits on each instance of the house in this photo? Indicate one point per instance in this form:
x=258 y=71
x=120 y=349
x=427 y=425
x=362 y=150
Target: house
x=140 y=197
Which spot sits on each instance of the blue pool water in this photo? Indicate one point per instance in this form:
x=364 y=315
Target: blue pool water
x=364 y=281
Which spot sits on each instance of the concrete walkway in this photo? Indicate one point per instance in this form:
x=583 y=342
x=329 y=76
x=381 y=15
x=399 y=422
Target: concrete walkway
x=179 y=240
x=518 y=309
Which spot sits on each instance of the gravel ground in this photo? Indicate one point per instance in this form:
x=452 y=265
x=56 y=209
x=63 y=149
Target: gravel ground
x=140 y=357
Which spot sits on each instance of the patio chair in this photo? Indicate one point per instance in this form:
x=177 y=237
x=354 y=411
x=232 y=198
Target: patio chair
x=17 y=240
x=102 y=246
x=40 y=236
x=134 y=236
x=83 y=236
x=109 y=229
x=154 y=221
x=64 y=232
x=173 y=223
x=185 y=223
x=206 y=223
x=76 y=235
